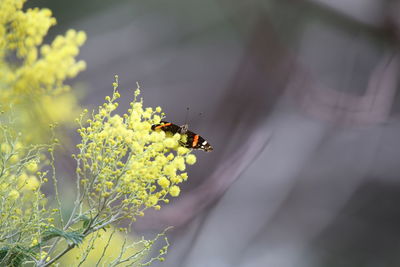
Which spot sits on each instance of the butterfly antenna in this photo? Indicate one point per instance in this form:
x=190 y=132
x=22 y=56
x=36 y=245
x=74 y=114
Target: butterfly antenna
x=187 y=116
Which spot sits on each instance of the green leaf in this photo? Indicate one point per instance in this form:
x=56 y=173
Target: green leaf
x=74 y=237
x=85 y=219
x=14 y=257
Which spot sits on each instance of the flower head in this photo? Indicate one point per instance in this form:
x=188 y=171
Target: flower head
x=33 y=74
x=122 y=158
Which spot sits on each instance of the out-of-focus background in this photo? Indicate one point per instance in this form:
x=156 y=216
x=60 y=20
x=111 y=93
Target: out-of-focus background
x=298 y=98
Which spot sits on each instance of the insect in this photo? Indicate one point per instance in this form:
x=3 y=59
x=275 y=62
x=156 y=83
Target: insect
x=193 y=140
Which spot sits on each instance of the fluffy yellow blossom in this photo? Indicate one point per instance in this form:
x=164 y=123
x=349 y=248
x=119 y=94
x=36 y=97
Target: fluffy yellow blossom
x=23 y=32
x=163 y=182
x=5 y=148
x=180 y=163
x=129 y=159
x=170 y=170
x=120 y=158
x=13 y=194
x=21 y=179
x=33 y=74
x=32 y=183
x=14 y=159
x=34 y=242
x=174 y=191
x=183 y=150
x=191 y=159
x=170 y=142
x=109 y=184
x=60 y=108
x=170 y=156
x=32 y=166
x=152 y=201
x=176 y=179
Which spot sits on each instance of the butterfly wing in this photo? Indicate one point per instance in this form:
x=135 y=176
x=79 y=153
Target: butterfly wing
x=166 y=127
x=195 y=141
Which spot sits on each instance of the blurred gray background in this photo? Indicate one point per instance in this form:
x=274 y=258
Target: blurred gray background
x=299 y=100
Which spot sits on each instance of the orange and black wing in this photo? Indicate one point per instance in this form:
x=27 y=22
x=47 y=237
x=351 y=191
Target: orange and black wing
x=166 y=127
x=195 y=141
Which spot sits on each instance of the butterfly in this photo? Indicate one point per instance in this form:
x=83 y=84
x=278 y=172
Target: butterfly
x=193 y=140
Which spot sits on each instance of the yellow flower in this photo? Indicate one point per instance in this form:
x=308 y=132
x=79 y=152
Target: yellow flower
x=183 y=150
x=14 y=159
x=5 y=148
x=21 y=180
x=180 y=163
x=184 y=176
x=18 y=211
x=170 y=156
x=34 y=84
x=170 y=142
x=163 y=182
x=174 y=191
x=191 y=159
x=32 y=183
x=18 y=146
x=32 y=166
x=109 y=184
x=170 y=170
x=34 y=242
x=13 y=195
x=60 y=108
x=152 y=201
x=122 y=159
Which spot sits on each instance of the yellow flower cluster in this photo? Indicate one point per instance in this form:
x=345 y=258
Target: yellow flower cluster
x=32 y=74
x=57 y=63
x=123 y=162
x=21 y=33
x=22 y=203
